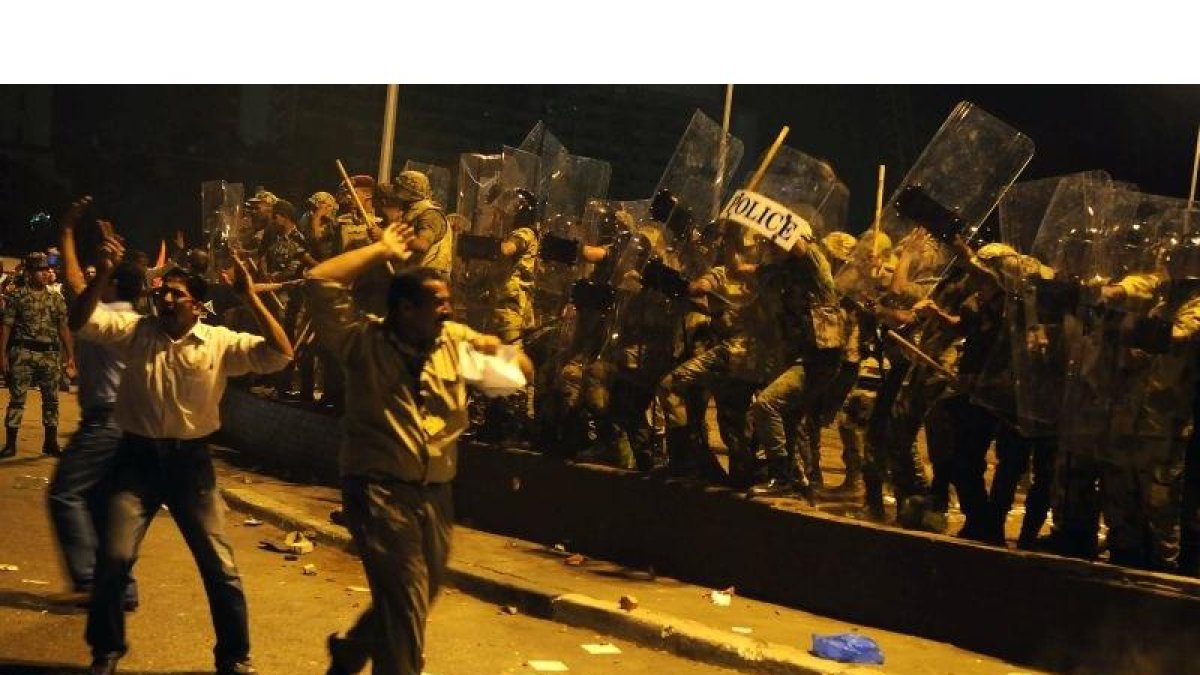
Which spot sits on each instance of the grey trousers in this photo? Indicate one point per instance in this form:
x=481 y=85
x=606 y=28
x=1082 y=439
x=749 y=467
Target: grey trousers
x=402 y=531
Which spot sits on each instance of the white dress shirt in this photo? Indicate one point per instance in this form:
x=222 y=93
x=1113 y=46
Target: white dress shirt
x=173 y=388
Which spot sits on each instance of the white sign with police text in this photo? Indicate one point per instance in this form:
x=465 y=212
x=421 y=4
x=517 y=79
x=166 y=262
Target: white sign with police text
x=767 y=217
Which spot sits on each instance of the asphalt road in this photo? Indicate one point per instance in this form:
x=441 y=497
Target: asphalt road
x=290 y=613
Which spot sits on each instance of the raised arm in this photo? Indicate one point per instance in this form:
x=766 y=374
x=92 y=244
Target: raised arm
x=345 y=268
x=111 y=251
x=273 y=332
x=72 y=272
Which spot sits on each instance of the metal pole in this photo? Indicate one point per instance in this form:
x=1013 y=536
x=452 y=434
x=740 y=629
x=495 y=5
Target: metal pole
x=389 y=133
x=724 y=149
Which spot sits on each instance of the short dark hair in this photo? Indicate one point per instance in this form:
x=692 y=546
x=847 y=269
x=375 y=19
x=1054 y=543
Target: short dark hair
x=410 y=285
x=129 y=281
x=196 y=286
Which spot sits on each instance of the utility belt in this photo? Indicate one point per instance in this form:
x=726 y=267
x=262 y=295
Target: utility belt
x=33 y=345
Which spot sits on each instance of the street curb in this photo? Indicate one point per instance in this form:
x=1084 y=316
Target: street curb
x=645 y=627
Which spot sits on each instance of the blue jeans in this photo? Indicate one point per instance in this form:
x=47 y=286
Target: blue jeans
x=77 y=490
x=148 y=473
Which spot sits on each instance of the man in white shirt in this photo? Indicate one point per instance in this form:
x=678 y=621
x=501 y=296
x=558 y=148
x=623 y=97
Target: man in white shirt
x=167 y=404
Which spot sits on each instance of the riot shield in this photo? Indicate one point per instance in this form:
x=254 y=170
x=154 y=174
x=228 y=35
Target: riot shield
x=688 y=195
x=1046 y=290
x=542 y=143
x=575 y=183
x=954 y=185
x=494 y=201
x=1021 y=213
x=220 y=219
x=439 y=180
x=798 y=198
x=578 y=331
x=795 y=196
x=1156 y=360
x=1108 y=338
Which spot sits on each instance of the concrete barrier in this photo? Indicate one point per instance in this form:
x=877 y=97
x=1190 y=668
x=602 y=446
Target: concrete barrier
x=1042 y=610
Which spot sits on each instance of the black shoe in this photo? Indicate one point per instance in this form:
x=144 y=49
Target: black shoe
x=342 y=660
x=104 y=665
x=774 y=487
x=10 y=442
x=807 y=493
x=50 y=444
x=129 y=605
x=242 y=667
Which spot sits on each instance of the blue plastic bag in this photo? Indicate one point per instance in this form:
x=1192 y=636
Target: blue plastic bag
x=847 y=648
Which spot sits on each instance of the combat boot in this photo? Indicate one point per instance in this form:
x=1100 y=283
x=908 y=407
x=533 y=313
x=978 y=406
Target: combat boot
x=779 y=482
x=50 y=443
x=872 y=509
x=10 y=442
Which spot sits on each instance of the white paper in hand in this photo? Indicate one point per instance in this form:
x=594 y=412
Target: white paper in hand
x=493 y=376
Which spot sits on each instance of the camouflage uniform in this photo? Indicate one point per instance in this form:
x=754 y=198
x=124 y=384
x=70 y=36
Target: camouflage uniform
x=800 y=294
x=905 y=396
x=283 y=261
x=33 y=318
x=647 y=350
x=1087 y=479
x=1142 y=483
x=428 y=221
x=511 y=299
x=723 y=370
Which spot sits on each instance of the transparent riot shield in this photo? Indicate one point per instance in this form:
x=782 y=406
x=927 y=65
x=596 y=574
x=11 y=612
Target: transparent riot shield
x=575 y=183
x=495 y=200
x=1106 y=356
x=1044 y=290
x=689 y=193
x=1152 y=406
x=793 y=200
x=221 y=219
x=579 y=330
x=1021 y=213
x=954 y=185
x=439 y=180
x=542 y=143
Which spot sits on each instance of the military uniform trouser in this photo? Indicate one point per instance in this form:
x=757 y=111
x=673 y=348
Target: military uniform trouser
x=824 y=411
x=626 y=428
x=289 y=319
x=1076 y=496
x=1189 y=554
x=974 y=429
x=402 y=531
x=1141 y=498
x=851 y=424
x=28 y=368
x=875 y=460
x=797 y=388
x=891 y=447
x=710 y=372
x=1016 y=454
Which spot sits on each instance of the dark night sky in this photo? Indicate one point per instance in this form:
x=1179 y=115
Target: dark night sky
x=148 y=147
x=1141 y=134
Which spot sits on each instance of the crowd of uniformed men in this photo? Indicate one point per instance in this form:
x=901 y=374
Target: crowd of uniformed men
x=1056 y=325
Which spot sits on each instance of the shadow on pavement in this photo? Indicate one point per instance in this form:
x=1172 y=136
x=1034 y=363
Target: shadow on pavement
x=38 y=603
x=34 y=668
